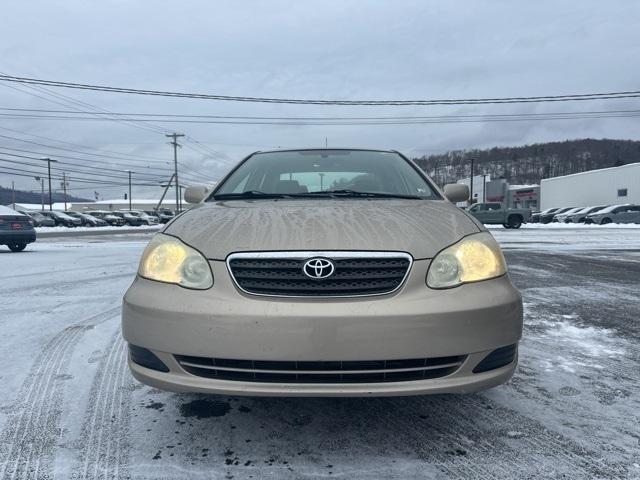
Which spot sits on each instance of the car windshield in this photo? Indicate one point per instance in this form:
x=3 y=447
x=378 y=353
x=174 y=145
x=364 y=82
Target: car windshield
x=609 y=208
x=573 y=210
x=326 y=173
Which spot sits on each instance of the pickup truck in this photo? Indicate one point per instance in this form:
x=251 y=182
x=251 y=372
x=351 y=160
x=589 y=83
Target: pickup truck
x=495 y=213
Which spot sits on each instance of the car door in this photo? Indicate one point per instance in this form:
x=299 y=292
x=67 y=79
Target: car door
x=494 y=213
x=629 y=214
x=479 y=211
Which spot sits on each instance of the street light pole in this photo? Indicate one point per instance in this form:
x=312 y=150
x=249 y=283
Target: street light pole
x=41 y=182
x=484 y=187
x=64 y=189
x=48 y=160
x=471 y=182
x=129 y=172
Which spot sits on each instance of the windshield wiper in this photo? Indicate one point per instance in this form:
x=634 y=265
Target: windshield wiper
x=355 y=193
x=249 y=194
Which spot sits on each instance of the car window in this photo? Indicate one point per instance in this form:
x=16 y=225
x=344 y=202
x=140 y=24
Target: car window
x=307 y=171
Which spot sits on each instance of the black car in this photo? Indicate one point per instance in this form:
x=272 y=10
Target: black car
x=88 y=220
x=16 y=229
x=129 y=219
x=39 y=220
x=164 y=215
x=108 y=216
x=535 y=217
x=62 y=219
x=547 y=215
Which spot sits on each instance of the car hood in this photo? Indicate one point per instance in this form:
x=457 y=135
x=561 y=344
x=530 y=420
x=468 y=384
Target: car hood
x=421 y=228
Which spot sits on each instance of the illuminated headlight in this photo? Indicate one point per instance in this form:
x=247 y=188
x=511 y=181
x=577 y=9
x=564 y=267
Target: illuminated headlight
x=167 y=259
x=474 y=258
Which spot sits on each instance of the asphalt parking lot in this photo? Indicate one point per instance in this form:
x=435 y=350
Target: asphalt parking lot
x=69 y=408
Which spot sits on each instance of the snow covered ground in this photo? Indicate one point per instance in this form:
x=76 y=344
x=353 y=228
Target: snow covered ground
x=70 y=409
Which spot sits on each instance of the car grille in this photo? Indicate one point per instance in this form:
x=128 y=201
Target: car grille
x=355 y=274
x=270 y=371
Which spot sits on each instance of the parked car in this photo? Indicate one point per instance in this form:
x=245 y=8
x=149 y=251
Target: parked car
x=276 y=285
x=494 y=213
x=16 y=229
x=535 y=217
x=145 y=219
x=39 y=220
x=88 y=220
x=548 y=217
x=61 y=219
x=615 y=214
x=129 y=219
x=164 y=215
x=560 y=217
x=581 y=215
x=108 y=217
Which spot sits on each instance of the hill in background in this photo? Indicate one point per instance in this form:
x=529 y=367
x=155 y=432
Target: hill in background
x=529 y=164
x=6 y=197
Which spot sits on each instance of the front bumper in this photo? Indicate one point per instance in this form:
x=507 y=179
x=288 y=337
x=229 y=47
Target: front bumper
x=415 y=322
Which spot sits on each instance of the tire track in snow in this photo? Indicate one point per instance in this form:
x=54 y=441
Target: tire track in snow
x=104 y=451
x=28 y=442
x=65 y=286
x=473 y=437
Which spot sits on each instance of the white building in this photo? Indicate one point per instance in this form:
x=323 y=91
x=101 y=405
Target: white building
x=479 y=185
x=607 y=186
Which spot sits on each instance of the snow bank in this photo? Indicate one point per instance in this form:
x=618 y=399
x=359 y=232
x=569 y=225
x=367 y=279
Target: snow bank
x=570 y=226
x=97 y=229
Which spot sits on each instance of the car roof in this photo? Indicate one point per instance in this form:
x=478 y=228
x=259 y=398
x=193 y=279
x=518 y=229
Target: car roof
x=325 y=148
x=9 y=211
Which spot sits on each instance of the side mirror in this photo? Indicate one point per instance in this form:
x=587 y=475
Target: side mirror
x=456 y=192
x=195 y=193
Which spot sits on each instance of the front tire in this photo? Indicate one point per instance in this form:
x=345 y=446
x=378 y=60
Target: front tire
x=17 y=247
x=506 y=225
x=605 y=221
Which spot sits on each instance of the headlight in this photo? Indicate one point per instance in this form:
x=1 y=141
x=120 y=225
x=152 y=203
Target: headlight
x=474 y=258
x=167 y=259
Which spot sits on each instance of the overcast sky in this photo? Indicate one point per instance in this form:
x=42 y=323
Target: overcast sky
x=310 y=49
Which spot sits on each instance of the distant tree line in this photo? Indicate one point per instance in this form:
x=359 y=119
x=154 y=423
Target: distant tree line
x=530 y=163
x=6 y=197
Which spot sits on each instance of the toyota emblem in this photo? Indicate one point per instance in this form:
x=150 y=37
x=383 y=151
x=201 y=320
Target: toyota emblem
x=318 y=268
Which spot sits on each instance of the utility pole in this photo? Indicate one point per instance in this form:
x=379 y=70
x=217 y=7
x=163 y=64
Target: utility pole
x=64 y=189
x=471 y=182
x=129 y=172
x=48 y=160
x=13 y=192
x=174 y=141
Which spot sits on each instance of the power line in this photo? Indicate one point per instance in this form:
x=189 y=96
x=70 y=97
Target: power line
x=201 y=96
x=80 y=165
x=95 y=111
x=323 y=118
x=159 y=169
x=129 y=164
x=31 y=173
x=72 y=170
x=365 y=121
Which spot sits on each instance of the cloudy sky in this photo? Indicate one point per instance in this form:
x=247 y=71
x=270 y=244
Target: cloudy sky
x=302 y=49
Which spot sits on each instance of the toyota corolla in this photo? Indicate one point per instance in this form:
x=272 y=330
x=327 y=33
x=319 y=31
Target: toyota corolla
x=333 y=272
